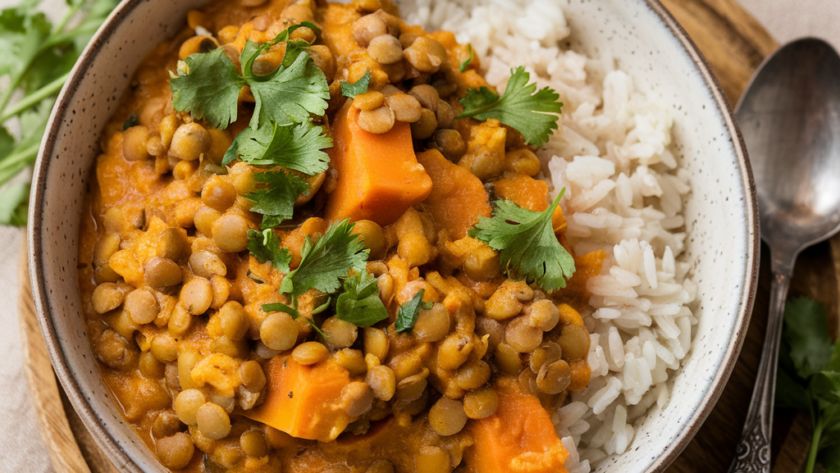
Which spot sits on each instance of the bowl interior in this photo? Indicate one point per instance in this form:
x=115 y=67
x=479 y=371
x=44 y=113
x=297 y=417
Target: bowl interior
x=720 y=211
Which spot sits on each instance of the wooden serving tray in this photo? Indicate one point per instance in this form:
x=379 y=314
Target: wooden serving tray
x=734 y=44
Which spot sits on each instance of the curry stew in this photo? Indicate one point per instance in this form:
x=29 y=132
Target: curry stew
x=174 y=296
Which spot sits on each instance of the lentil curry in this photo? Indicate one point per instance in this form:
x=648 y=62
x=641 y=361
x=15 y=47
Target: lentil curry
x=243 y=323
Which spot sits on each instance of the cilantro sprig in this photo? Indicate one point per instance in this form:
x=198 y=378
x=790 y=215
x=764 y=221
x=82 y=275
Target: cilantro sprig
x=299 y=147
x=352 y=89
x=290 y=94
x=360 y=304
x=466 y=63
x=324 y=263
x=532 y=113
x=809 y=378
x=276 y=203
x=265 y=246
x=529 y=248
x=36 y=62
x=410 y=311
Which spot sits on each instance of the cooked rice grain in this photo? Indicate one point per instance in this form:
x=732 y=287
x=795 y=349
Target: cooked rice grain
x=624 y=195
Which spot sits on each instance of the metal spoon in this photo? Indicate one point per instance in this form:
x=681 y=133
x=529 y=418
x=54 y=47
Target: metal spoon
x=790 y=119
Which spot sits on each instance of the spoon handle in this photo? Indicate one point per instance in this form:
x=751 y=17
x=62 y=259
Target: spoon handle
x=753 y=453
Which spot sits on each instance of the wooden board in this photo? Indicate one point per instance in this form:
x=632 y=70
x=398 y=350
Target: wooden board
x=734 y=44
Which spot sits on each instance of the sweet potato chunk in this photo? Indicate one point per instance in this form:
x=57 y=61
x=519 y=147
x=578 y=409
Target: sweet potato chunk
x=457 y=199
x=524 y=191
x=518 y=438
x=379 y=177
x=304 y=401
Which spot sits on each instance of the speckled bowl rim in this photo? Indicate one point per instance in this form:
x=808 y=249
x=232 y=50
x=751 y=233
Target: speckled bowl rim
x=105 y=437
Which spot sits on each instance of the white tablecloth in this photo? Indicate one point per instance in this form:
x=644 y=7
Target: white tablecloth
x=21 y=447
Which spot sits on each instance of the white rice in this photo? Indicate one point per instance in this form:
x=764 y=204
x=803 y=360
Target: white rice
x=624 y=194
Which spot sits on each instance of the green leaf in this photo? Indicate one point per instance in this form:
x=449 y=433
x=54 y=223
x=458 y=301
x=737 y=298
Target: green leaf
x=826 y=386
x=277 y=202
x=466 y=63
x=131 y=122
x=280 y=307
x=360 y=304
x=22 y=34
x=829 y=458
x=7 y=142
x=265 y=246
x=352 y=89
x=408 y=313
x=529 y=248
x=322 y=265
x=290 y=95
x=533 y=114
x=14 y=200
x=791 y=394
x=211 y=89
x=252 y=50
x=298 y=147
x=806 y=332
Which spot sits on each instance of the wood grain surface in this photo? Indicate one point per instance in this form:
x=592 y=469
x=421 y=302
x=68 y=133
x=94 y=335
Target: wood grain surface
x=734 y=45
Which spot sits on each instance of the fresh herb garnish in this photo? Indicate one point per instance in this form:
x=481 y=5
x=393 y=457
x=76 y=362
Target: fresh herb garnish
x=298 y=147
x=466 y=63
x=132 y=121
x=290 y=94
x=323 y=264
x=529 y=248
x=36 y=60
x=265 y=246
x=809 y=378
x=211 y=89
x=276 y=203
x=532 y=114
x=408 y=313
x=352 y=89
x=360 y=303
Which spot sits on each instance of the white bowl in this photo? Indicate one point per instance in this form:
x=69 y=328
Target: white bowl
x=721 y=212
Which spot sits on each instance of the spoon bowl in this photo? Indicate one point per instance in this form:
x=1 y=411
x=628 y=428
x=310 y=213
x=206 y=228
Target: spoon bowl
x=790 y=119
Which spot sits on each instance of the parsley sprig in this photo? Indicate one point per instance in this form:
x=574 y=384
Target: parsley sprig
x=529 y=248
x=533 y=114
x=36 y=60
x=809 y=378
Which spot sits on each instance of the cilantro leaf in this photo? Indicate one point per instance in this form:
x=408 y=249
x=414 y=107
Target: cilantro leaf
x=826 y=386
x=323 y=264
x=360 y=304
x=532 y=114
x=211 y=89
x=252 y=50
x=290 y=94
x=806 y=332
x=265 y=246
x=529 y=248
x=352 y=89
x=13 y=204
x=466 y=63
x=789 y=393
x=298 y=147
x=22 y=32
x=277 y=202
x=408 y=313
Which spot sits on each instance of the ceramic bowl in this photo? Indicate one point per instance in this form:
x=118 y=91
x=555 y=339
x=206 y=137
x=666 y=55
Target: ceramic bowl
x=721 y=212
